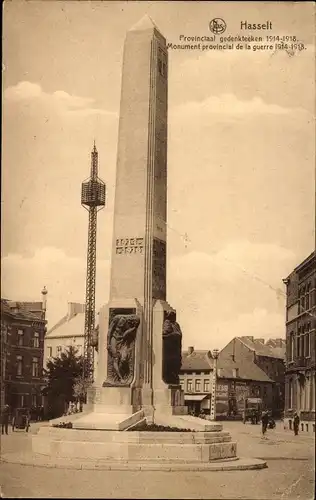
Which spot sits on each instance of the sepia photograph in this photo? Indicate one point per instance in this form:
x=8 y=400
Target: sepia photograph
x=158 y=250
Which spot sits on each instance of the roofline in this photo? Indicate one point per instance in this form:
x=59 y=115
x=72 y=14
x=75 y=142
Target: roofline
x=241 y=340
x=269 y=381
x=305 y=261
x=67 y=336
x=23 y=315
x=275 y=356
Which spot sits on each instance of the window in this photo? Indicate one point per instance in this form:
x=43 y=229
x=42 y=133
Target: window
x=20 y=337
x=189 y=385
x=302 y=338
x=307 y=297
x=50 y=351
x=59 y=350
x=307 y=344
x=299 y=302
x=198 y=385
x=19 y=366
x=290 y=393
x=36 y=339
x=206 y=386
x=298 y=350
x=34 y=400
x=182 y=384
x=35 y=367
x=291 y=353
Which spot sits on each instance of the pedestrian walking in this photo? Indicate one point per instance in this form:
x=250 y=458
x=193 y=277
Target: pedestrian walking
x=5 y=414
x=296 y=423
x=264 y=423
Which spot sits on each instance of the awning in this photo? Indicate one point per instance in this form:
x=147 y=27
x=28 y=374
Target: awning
x=194 y=397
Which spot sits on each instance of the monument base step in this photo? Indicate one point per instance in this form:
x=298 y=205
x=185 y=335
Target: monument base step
x=37 y=460
x=106 y=418
x=134 y=446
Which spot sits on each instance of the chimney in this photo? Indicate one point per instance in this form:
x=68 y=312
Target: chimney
x=249 y=337
x=190 y=350
x=75 y=308
x=279 y=342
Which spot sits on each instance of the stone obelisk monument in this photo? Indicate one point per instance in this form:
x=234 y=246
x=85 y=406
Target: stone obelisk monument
x=139 y=349
x=139 y=343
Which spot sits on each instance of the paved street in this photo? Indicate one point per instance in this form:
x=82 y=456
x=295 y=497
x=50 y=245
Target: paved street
x=289 y=474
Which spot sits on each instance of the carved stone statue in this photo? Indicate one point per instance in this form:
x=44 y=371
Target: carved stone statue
x=172 y=347
x=95 y=338
x=121 y=347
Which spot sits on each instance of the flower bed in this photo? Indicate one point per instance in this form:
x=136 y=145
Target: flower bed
x=63 y=425
x=157 y=428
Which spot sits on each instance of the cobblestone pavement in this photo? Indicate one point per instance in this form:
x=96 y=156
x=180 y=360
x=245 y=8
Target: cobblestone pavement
x=289 y=474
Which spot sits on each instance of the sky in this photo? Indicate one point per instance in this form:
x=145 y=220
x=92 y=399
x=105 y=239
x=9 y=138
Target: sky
x=241 y=158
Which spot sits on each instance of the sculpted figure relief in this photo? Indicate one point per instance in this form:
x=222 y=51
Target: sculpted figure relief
x=121 y=345
x=172 y=345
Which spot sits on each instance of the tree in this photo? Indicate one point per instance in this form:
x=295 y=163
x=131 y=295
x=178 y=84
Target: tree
x=62 y=373
x=81 y=386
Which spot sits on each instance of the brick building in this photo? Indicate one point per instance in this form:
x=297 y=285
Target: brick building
x=23 y=328
x=300 y=382
x=269 y=357
x=236 y=380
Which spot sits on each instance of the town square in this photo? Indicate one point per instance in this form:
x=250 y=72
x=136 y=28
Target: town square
x=161 y=342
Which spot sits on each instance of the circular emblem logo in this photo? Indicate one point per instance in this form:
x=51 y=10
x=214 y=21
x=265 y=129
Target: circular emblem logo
x=217 y=26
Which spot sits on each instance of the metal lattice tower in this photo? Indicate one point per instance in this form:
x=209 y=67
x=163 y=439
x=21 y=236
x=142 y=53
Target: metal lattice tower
x=93 y=200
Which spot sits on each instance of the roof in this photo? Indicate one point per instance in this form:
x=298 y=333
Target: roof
x=197 y=360
x=68 y=327
x=18 y=311
x=264 y=349
x=307 y=261
x=246 y=370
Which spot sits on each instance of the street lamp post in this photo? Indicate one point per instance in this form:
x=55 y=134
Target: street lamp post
x=214 y=383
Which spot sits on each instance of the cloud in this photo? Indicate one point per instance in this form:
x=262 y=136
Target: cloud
x=61 y=101
x=260 y=323
x=229 y=105
x=237 y=290
x=23 y=90
x=262 y=262
x=22 y=278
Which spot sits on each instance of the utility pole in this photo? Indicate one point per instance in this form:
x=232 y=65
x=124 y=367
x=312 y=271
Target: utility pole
x=214 y=385
x=93 y=200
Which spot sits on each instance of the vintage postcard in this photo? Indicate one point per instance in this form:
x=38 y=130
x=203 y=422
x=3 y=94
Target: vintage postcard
x=158 y=291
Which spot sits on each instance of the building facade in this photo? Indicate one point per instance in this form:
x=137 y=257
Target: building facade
x=300 y=385
x=23 y=328
x=196 y=380
x=68 y=332
x=235 y=381
x=269 y=357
